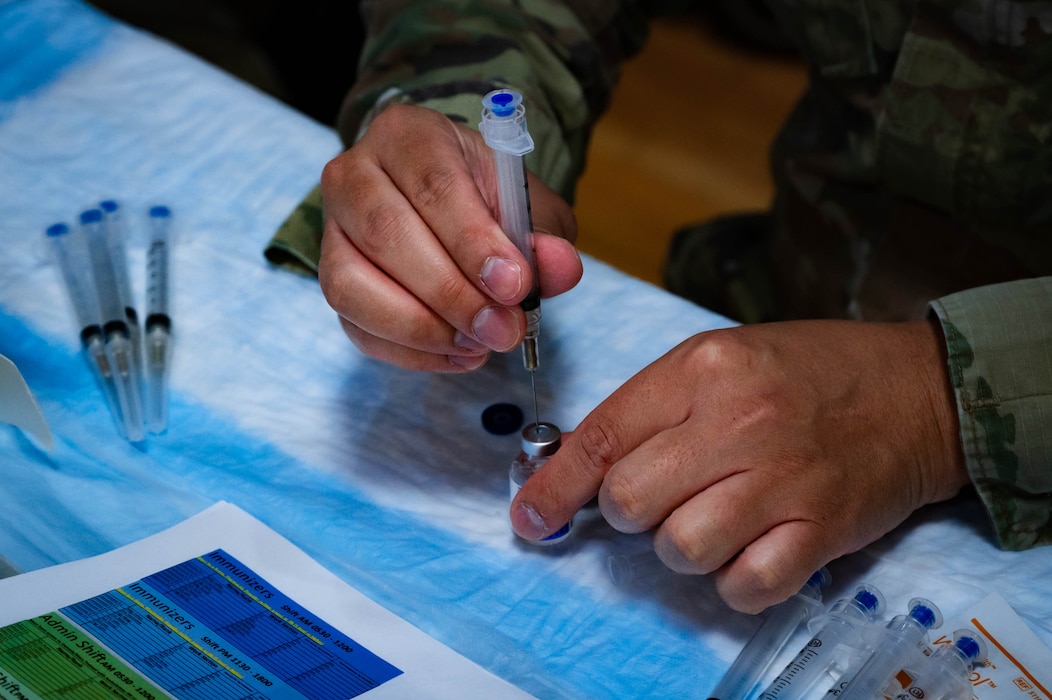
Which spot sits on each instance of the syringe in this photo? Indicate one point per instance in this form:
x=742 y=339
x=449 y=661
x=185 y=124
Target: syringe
x=767 y=642
x=158 y=349
x=119 y=349
x=897 y=644
x=70 y=252
x=843 y=624
x=503 y=127
x=945 y=675
x=116 y=234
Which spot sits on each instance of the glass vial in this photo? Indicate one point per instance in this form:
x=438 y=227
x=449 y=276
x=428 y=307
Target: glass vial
x=539 y=442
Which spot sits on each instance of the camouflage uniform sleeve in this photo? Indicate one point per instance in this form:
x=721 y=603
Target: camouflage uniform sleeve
x=998 y=340
x=563 y=56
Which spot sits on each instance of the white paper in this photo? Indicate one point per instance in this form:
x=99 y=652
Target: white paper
x=1018 y=665
x=429 y=669
x=18 y=407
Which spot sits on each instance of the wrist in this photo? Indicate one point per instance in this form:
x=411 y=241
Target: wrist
x=949 y=473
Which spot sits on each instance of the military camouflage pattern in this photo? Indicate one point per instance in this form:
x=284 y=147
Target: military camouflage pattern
x=1003 y=388
x=917 y=167
x=564 y=57
x=297 y=244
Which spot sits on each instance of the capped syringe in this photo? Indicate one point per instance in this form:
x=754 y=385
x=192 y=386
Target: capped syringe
x=898 y=643
x=119 y=349
x=71 y=253
x=503 y=127
x=116 y=235
x=844 y=624
x=157 y=339
x=768 y=641
x=944 y=676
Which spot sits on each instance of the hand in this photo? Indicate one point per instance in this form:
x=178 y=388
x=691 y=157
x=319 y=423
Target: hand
x=413 y=258
x=760 y=453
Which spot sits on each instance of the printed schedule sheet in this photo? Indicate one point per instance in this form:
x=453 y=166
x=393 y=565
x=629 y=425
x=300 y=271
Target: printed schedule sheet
x=216 y=626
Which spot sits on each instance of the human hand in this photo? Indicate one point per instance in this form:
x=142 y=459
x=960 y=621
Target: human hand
x=760 y=453
x=413 y=258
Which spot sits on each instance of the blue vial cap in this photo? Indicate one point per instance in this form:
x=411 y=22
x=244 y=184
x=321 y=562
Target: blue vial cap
x=108 y=206
x=969 y=647
x=160 y=211
x=58 y=229
x=90 y=216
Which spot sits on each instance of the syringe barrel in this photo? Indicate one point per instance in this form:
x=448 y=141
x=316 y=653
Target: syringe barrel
x=71 y=253
x=900 y=640
x=944 y=676
x=102 y=267
x=116 y=235
x=157 y=264
x=844 y=624
x=503 y=127
x=768 y=641
x=516 y=217
x=814 y=659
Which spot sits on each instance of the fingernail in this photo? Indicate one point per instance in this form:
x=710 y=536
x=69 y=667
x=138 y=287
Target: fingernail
x=502 y=278
x=466 y=342
x=528 y=523
x=496 y=328
x=467 y=361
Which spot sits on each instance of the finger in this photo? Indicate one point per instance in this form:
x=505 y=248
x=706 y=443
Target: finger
x=558 y=264
x=713 y=526
x=642 y=407
x=551 y=214
x=416 y=262
x=378 y=309
x=409 y=358
x=650 y=482
x=447 y=176
x=773 y=567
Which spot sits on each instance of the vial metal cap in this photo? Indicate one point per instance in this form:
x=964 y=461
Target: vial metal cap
x=541 y=439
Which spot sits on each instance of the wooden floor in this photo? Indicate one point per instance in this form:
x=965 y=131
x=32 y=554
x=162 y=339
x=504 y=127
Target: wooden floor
x=686 y=139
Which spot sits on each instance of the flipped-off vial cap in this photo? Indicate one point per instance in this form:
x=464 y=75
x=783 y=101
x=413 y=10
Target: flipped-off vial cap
x=541 y=439
x=502 y=418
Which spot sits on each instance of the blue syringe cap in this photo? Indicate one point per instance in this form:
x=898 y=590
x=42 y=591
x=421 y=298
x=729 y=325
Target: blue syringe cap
x=869 y=599
x=820 y=579
x=160 y=211
x=925 y=613
x=90 y=216
x=59 y=229
x=970 y=645
x=503 y=124
x=502 y=102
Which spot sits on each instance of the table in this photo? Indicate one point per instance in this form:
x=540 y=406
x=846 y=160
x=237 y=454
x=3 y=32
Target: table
x=384 y=476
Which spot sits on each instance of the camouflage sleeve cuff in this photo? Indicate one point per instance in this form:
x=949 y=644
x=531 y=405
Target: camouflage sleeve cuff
x=297 y=244
x=998 y=341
